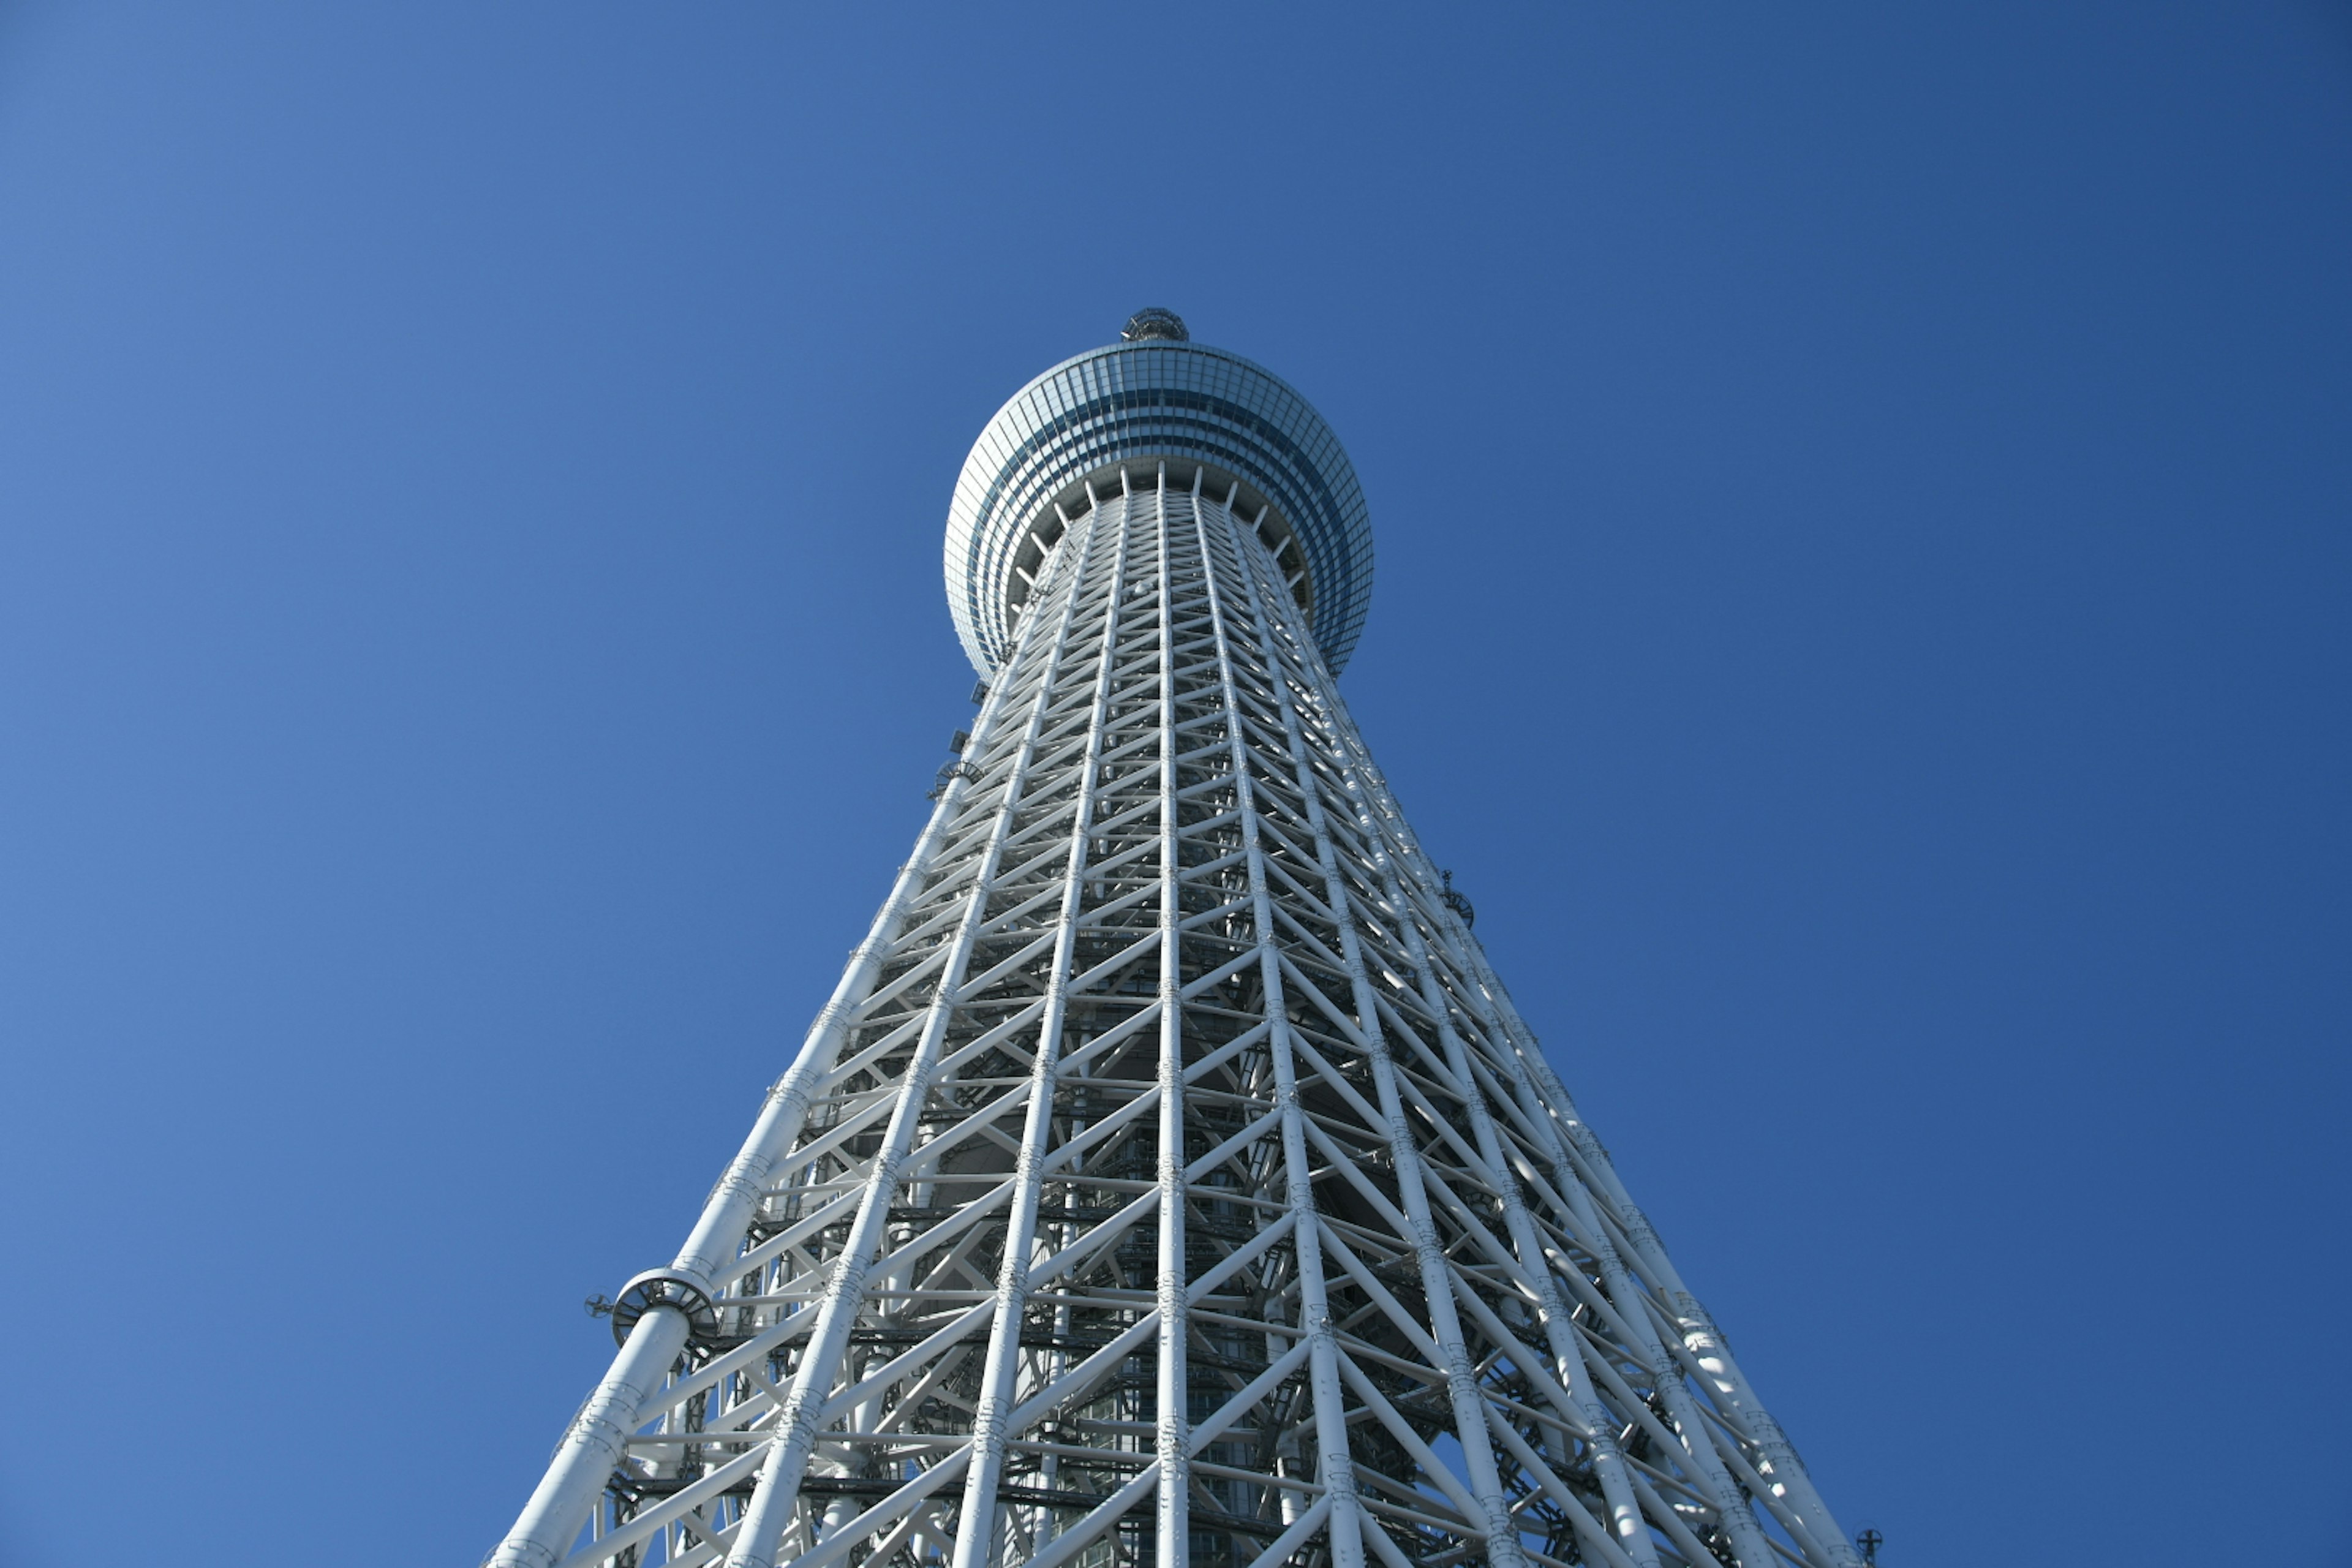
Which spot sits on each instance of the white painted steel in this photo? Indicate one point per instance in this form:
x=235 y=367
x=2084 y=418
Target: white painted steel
x=1170 y=1180
x=976 y=1528
x=1172 y=1387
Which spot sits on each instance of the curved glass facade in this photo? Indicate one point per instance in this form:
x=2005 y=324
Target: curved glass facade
x=1130 y=402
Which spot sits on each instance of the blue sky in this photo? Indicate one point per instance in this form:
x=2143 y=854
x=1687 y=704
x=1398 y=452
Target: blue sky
x=1862 y=500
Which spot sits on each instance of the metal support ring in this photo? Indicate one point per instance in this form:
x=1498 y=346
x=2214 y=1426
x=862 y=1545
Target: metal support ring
x=666 y=1287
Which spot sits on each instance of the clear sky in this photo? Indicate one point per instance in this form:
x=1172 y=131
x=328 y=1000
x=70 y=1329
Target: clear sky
x=1861 y=499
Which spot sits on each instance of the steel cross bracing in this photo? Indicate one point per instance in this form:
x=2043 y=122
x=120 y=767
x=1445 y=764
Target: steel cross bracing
x=1169 y=1180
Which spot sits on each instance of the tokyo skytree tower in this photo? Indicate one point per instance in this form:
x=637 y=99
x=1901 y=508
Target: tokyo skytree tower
x=1169 y=1180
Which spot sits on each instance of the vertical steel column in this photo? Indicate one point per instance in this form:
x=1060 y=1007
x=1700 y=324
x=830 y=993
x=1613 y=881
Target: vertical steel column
x=1748 y=1543
x=1701 y=1341
x=1503 y=1548
x=593 y=1445
x=976 y=1532
x=1700 y=1439
x=777 y=1490
x=1700 y=1436
x=1334 y=1466
x=1705 y=1344
x=1172 y=1418
x=1368 y=791
x=1608 y=1461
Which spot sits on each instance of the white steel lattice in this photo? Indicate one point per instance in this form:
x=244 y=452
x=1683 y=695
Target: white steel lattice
x=1170 y=1181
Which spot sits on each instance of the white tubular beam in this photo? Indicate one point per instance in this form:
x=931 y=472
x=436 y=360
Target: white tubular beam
x=1334 y=1466
x=593 y=1445
x=1534 y=1082
x=1296 y=1536
x=1108 y=1514
x=1170 y=1419
x=717 y=1234
x=1705 y=1344
x=905 y=1500
x=712 y=1245
x=1532 y=1463
x=1567 y=1358
x=1462 y=1385
x=560 y=1505
x=976 y=1535
x=777 y=1492
x=1747 y=1539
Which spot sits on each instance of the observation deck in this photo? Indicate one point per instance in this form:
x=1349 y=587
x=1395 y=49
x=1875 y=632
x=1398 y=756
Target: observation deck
x=1156 y=396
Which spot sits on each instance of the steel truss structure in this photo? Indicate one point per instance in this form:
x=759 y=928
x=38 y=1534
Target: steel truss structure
x=1170 y=1181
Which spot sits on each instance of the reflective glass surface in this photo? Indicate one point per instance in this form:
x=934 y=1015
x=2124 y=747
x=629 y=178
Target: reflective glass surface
x=1156 y=398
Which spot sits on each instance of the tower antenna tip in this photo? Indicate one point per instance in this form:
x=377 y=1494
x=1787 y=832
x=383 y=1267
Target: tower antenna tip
x=1150 y=322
